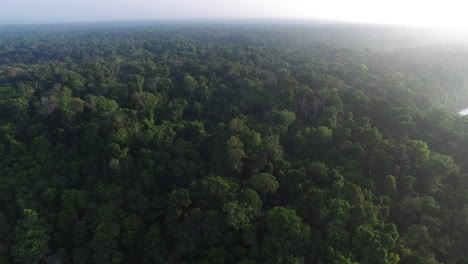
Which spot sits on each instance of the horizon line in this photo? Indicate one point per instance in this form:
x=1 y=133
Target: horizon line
x=214 y=21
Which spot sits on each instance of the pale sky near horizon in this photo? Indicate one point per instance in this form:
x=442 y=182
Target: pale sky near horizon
x=443 y=13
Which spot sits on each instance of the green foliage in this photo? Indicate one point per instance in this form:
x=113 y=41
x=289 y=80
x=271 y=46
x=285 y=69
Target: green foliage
x=229 y=144
x=286 y=236
x=31 y=239
x=154 y=246
x=235 y=154
x=264 y=183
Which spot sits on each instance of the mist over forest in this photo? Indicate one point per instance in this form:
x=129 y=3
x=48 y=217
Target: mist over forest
x=233 y=142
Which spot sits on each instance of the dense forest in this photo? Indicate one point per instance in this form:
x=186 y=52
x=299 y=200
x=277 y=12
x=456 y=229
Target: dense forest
x=230 y=144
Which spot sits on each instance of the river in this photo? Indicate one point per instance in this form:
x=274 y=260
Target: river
x=463 y=112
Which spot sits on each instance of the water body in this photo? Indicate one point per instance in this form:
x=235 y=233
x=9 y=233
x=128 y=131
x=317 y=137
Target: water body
x=463 y=112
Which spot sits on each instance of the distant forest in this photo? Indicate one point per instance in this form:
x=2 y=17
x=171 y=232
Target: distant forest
x=232 y=144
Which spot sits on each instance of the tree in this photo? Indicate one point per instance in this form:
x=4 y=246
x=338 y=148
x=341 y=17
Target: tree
x=105 y=244
x=264 y=183
x=31 y=240
x=235 y=154
x=136 y=82
x=282 y=119
x=273 y=148
x=176 y=108
x=374 y=246
x=390 y=186
x=146 y=103
x=286 y=238
x=154 y=245
x=4 y=240
x=189 y=84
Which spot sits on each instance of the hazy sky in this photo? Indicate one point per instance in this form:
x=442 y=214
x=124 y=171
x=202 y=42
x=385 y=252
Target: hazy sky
x=409 y=12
